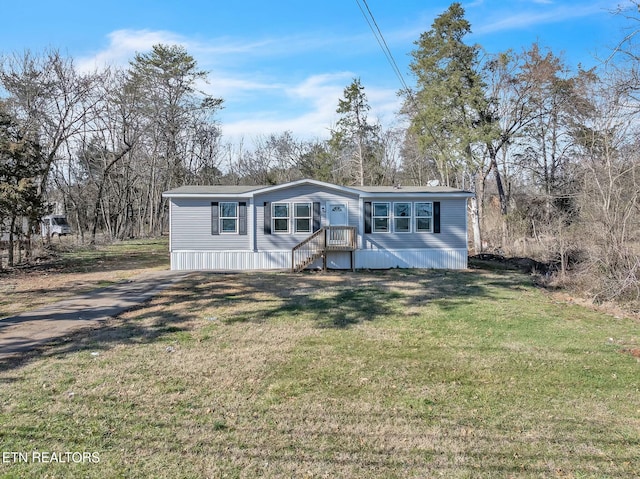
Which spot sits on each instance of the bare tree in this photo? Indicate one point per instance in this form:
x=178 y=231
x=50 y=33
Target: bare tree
x=609 y=198
x=165 y=82
x=51 y=98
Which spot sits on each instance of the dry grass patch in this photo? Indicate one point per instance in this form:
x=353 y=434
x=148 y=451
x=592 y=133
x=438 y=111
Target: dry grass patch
x=388 y=374
x=73 y=270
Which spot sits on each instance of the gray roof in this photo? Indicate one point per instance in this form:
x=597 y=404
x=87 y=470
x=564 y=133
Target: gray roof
x=213 y=189
x=406 y=189
x=247 y=190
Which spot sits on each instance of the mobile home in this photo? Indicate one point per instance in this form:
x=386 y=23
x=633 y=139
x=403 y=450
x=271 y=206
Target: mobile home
x=309 y=223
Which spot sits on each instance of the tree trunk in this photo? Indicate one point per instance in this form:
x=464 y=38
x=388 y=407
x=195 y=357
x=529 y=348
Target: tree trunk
x=493 y=165
x=475 y=222
x=96 y=214
x=11 y=240
x=80 y=228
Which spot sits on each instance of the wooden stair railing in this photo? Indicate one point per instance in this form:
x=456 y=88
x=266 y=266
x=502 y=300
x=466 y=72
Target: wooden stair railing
x=307 y=251
x=330 y=238
x=340 y=238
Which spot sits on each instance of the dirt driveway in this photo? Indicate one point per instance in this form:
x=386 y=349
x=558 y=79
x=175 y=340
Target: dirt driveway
x=30 y=330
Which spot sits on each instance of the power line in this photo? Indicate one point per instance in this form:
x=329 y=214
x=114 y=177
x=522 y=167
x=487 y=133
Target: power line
x=377 y=33
x=375 y=29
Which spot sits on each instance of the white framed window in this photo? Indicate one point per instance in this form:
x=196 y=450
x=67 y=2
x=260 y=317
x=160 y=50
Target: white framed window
x=280 y=217
x=228 y=217
x=424 y=217
x=402 y=217
x=302 y=217
x=380 y=215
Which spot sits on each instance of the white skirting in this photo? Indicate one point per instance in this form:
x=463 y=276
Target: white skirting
x=412 y=258
x=364 y=259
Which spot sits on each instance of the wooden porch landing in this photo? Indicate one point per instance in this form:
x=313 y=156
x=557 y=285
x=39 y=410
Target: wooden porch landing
x=329 y=238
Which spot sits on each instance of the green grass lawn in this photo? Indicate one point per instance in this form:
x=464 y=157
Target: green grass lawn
x=407 y=374
x=120 y=255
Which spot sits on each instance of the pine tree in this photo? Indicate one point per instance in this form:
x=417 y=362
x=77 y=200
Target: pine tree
x=355 y=138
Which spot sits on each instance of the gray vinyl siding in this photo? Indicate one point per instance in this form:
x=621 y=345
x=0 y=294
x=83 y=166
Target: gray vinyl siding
x=191 y=227
x=298 y=194
x=453 y=227
x=194 y=247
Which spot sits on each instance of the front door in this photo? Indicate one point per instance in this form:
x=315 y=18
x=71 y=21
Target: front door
x=338 y=214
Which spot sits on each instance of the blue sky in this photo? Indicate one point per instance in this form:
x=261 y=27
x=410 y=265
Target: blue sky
x=282 y=65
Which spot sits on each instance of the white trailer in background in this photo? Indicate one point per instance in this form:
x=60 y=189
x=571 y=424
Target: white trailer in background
x=55 y=225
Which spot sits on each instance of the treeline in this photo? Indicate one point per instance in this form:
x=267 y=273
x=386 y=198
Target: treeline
x=551 y=152
x=110 y=141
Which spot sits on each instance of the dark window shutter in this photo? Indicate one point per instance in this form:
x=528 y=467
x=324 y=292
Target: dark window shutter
x=367 y=217
x=242 y=218
x=316 y=216
x=267 y=218
x=215 y=218
x=436 y=217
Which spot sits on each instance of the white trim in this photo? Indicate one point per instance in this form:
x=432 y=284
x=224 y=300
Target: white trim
x=236 y=218
x=360 y=233
x=213 y=196
x=171 y=205
x=252 y=224
x=410 y=217
x=379 y=196
x=295 y=217
x=361 y=194
x=322 y=184
x=416 y=217
x=274 y=218
x=392 y=192
x=389 y=217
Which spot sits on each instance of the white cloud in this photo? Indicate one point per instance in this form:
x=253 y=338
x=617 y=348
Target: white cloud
x=385 y=104
x=321 y=87
x=325 y=90
x=227 y=86
x=124 y=44
x=312 y=106
x=532 y=18
x=316 y=99
x=255 y=102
